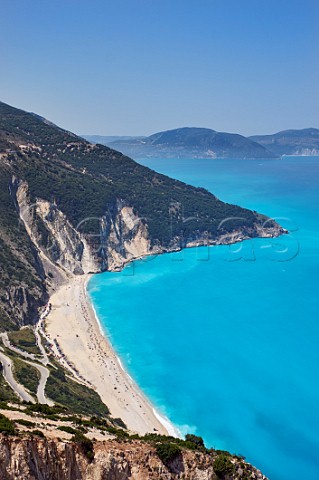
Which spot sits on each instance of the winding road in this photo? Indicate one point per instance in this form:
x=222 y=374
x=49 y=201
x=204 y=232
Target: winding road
x=8 y=375
x=44 y=372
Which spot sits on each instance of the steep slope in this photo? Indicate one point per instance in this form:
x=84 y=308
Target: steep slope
x=34 y=458
x=69 y=207
x=291 y=142
x=192 y=143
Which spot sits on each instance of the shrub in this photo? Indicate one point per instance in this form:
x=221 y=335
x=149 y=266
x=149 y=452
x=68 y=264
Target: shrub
x=86 y=445
x=197 y=441
x=45 y=409
x=25 y=423
x=67 y=429
x=168 y=452
x=223 y=466
x=6 y=425
x=119 y=422
x=38 y=433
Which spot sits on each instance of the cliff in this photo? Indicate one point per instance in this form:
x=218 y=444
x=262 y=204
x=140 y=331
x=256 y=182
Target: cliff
x=33 y=458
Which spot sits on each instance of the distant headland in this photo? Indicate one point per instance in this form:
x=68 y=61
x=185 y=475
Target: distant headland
x=206 y=143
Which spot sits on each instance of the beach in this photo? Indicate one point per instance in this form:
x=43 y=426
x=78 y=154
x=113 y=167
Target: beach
x=72 y=327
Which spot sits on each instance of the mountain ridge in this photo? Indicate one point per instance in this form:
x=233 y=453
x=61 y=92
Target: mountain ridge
x=304 y=142
x=191 y=142
x=291 y=142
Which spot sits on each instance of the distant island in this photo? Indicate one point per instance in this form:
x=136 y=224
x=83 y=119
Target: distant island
x=188 y=143
x=291 y=142
x=206 y=143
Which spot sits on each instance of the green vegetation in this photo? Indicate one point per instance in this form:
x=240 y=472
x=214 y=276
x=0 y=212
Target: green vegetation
x=67 y=429
x=37 y=433
x=85 y=444
x=24 y=339
x=26 y=374
x=118 y=422
x=76 y=397
x=195 y=441
x=168 y=452
x=6 y=426
x=44 y=409
x=223 y=465
x=191 y=442
x=6 y=392
x=25 y=423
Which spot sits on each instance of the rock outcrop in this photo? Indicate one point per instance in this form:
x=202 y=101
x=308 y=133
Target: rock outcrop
x=40 y=459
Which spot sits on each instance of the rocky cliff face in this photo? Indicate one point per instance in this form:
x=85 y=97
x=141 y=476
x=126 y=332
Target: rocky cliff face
x=39 y=459
x=60 y=246
x=121 y=236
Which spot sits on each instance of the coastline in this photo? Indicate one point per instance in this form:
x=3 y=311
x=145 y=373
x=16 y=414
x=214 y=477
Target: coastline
x=78 y=341
x=74 y=326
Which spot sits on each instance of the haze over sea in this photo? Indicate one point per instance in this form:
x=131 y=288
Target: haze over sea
x=224 y=340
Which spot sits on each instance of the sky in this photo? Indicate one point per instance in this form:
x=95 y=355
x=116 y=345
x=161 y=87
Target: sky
x=136 y=67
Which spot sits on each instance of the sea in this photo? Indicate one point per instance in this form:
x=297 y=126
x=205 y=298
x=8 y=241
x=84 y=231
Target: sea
x=224 y=340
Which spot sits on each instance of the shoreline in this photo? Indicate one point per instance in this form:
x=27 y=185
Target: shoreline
x=73 y=329
x=166 y=423
x=73 y=324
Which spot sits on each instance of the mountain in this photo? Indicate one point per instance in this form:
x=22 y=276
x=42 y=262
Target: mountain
x=191 y=143
x=291 y=142
x=70 y=206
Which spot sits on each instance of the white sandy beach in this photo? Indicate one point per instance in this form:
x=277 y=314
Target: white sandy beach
x=73 y=324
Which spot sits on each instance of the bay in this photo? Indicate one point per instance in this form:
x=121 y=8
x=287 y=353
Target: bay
x=224 y=340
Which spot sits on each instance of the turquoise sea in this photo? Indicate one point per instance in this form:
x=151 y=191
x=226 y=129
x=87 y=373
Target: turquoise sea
x=225 y=340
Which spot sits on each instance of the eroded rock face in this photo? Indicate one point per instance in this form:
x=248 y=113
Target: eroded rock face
x=40 y=459
x=121 y=236
x=59 y=243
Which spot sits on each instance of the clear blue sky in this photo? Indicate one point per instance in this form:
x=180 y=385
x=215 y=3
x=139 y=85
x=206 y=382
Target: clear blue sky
x=134 y=67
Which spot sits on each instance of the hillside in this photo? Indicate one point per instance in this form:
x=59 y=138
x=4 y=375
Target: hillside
x=191 y=143
x=291 y=142
x=72 y=206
